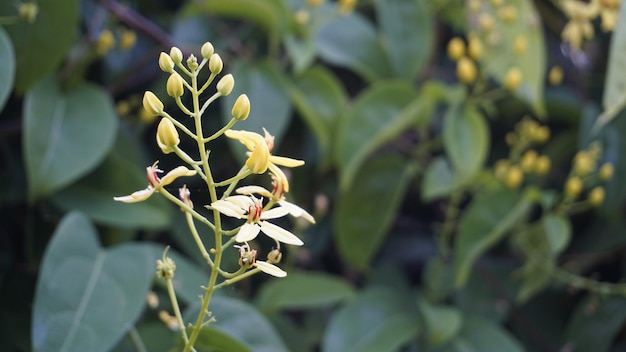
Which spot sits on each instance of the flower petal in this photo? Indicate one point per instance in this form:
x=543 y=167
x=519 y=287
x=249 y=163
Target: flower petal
x=136 y=196
x=277 y=212
x=243 y=202
x=254 y=190
x=284 y=161
x=229 y=209
x=176 y=173
x=296 y=211
x=279 y=234
x=270 y=269
x=247 y=232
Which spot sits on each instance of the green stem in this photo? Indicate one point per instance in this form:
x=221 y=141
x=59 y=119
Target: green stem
x=580 y=282
x=238 y=278
x=136 y=339
x=230 y=124
x=452 y=212
x=243 y=173
x=186 y=208
x=179 y=125
x=196 y=237
x=179 y=317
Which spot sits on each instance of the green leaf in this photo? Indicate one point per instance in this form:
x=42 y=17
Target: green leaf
x=377 y=320
x=595 y=324
x=42 y=45
x=320 y=99
x=481 y=335
x=272 y=15
x=486 y=221
x=303 y=290
x=378 y=116
x=535 y=275
x=118 y=175
x=442 y=323
x=439 y=179
x=499 y=47
x=558 y=232
x=7 y=67
x=365 y=212
x=242 y=322
x=265 y=86
x=407 y=33
x=215 y=340
x=87 y=297
x=65 y=134
x=466 y=140
x=352 y=42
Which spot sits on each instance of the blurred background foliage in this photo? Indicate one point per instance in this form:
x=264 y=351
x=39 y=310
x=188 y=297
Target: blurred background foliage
x=463 y=160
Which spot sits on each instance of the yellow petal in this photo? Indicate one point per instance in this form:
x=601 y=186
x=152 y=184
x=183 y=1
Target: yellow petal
x=254 y=190
x=176 y=173
x=136 y=196
x=229 y=209
x=284 y=161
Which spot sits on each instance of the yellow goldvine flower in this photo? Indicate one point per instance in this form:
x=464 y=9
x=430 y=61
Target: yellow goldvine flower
x=259 y=151
x=155 y=183
x=608 y=13
x=248 y=258
x=579 y=27
x=251 y=209
x=128 y=38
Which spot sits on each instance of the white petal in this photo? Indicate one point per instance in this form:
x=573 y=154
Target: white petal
x=244 y=202
x=247 y=232
x=280 y=234
x=254 y=190
x=270 y=269
x=277 y=212
x=136 y=196
x=176 y=173
x=284 y=161
x=229 y=209
x=296 y=211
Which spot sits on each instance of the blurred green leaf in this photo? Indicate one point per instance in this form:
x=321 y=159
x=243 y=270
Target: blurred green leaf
x=486 y=221
x=378 y=116
x=535 y=275
x=365 y=212
x=242 y=322
x=266 y=86
x=438 y=278
x=351 y=42
x=87 y=297
x=442 y=323
x=466 y=140
x=407 y=33
x=595 y=324
x=272 y=15
x=439 y=179
x=614 y=98
x=301 y=52
x=376 y=320
x=65 y=134
x=320 y=99
x=303 y=290
x=119 y=174
x=558 y=231
x=481 y=335
x=155 y=335
x=51 y=36
x=211 y=339
x=7 y=67
x=499 y=54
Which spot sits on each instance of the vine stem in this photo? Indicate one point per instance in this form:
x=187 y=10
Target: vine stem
x=581 y=282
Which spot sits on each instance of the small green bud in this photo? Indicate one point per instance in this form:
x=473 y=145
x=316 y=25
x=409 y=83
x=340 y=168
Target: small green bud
x=207 y=50
x=28 y=11
x=166 y=268
x=215 y=64
x=152 y=104
x=177 y=55
x=174 y=86
x=165 y=63
x=241 y=108
x=167 y=136
x=274 y=256
x=192 y=62
x=226 y=84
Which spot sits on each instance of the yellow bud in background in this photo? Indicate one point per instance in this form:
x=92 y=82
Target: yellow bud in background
x=28 y=11
x=520 y=44
x=513 y=78
x=241 y=108
x=215 y=64
x=174 y=86
x=152 y=104
x=176 y=55
x=466 y=70
x=514 y=177
x=555 y=76
x=510 y=138
x=573 y=187
x=167 y=136
x=496 y=2
x=474 y=48
x=346 y=6
x=225 y=85
x=486 y=22
x=105 y=42
x=584 y=163
x=456 y=48
x=527 y=162
x=315 y=3
x=542 y=165
x=207 y=50
x=596 y=196
x=473 y=5
x=128 y=39
x=302 y=17
x=166 y=63
x=606 y=171
x=145 y=117
x=541 y=134
x=501 y=169
x=508 y=14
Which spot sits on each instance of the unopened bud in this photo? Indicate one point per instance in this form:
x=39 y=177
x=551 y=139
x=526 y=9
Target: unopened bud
x=596 y=196
x=241 y=108
x=174 y=86
x=28 y=11
x=177 y=55
x=192 y=62
x=152 y=104
x=466 y=70
x=166 y=268
x=513 y=78
x=573 y=187
x=215 y=64
x=606 y=171
x=274 y=256
x=225 y=85
x=207 y=50
x=185 y=195
x=456 y=48
x=166 y=63
x=474 y=48
x=167 y=136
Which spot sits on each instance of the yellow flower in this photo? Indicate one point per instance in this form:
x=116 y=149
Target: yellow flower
x=251 y=209
x=155 y=183
x=259 y=151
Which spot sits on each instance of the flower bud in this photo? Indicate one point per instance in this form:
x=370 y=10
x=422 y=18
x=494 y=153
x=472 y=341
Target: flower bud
x=606 y=171
x=274 y=256
x=174 y=86
x=542 y=165
x=527 y=162
x=241 y=108
x=166 y=268
x=555 y=77
x=508 y=13
x=225 y=85
x=584 y=163
x=166 y=63
x=466 y=70
x=474 y=48
x=207 y=50
x=514 y=177
x=215 y=64
x=513 y=78
x=573 y=187
x=520 y=44
x=167 y=136
x=177 y=55
x=596 y=196
x=456 y=48
x=192 y=62
x=28 y=11
x=152 y=104
x=128 y=39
